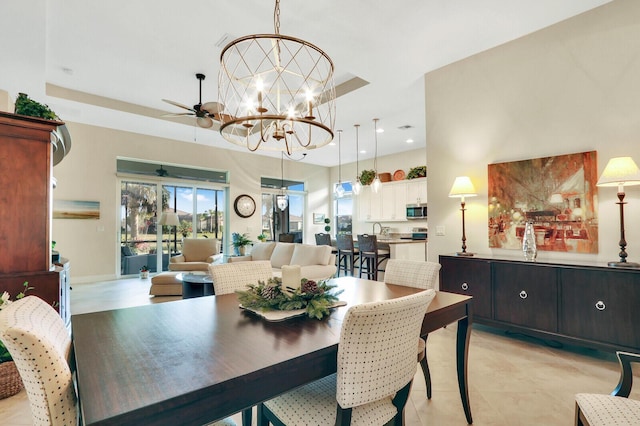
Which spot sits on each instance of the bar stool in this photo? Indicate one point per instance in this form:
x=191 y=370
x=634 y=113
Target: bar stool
x=347 y=254
x=323 y=239
x=370 y=256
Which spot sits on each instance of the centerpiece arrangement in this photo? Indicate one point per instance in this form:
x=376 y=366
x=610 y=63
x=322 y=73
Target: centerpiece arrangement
x=313 y=298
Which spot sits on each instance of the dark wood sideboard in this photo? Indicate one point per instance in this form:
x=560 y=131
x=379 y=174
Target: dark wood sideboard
x=586 y=305
x=26 y=211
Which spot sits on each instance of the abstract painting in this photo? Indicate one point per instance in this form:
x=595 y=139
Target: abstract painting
x=70 y=209
x=558 y=194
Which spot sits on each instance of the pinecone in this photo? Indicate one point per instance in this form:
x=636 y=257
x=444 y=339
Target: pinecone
x=309 y=287
x=269 y=292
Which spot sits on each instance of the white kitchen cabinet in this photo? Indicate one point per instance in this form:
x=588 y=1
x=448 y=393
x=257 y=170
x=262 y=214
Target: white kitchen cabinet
x=417 y=191
x=393 y=202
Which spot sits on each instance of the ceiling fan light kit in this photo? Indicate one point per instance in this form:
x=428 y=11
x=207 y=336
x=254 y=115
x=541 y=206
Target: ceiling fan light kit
x=278 y=92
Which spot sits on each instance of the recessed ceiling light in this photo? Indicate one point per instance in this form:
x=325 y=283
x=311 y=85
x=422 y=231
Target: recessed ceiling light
x=409 y=140
x=332 y=144
x=380 y=130
x=363 y=151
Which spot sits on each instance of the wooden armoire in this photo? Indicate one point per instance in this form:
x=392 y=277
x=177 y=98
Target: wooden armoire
x=26 y=170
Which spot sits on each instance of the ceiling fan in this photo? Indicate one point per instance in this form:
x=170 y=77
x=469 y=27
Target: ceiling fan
x=161 y=172
x=204 y=113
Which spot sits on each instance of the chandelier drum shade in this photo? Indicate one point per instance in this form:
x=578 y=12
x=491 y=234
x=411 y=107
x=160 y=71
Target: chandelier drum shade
x=278 y=92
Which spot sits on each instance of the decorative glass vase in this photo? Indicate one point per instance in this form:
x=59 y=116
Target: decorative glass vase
x=529 y=243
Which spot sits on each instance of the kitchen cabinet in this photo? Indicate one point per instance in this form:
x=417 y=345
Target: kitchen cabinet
x=416 y=190
x=387 y=205
x=588 y=305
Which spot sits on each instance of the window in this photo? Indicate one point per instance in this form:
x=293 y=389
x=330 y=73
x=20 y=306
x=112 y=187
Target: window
x=289 y=221
x=343 y=208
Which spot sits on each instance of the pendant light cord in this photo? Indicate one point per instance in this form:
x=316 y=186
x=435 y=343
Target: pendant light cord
x=339 y=157
x=357 y=126
x=375 y=158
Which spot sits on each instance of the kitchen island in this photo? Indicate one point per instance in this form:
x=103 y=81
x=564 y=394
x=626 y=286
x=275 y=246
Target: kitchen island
x=401 y=248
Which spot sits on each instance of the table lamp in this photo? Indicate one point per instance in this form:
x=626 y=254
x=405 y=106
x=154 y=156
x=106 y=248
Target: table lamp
x=462 y=187
x=621 y=171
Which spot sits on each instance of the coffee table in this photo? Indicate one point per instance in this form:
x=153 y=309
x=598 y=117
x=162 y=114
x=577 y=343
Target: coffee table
x=195 y=285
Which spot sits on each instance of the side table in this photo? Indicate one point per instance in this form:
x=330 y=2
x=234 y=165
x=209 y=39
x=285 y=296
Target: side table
x=195 y=285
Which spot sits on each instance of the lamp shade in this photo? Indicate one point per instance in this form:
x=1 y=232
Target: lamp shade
x=620 y=171
x=462 y=187
x=169 y=219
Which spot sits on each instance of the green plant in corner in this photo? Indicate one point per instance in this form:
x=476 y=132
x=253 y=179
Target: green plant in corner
x=26 y=106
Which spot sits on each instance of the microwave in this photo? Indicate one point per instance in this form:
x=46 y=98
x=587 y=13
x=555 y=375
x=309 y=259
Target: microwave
x=416 y=211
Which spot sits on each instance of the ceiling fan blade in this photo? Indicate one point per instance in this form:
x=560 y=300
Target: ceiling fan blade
x=178 y=105
x=178 y=114
x=212 y=107
x=205 y=122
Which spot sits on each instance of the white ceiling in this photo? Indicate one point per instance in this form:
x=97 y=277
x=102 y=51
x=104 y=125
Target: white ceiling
x=139 y=52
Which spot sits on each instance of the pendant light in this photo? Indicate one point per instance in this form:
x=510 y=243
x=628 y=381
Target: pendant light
x=357 y=186
x=339 y=191
x=282 y=199
x=375 y=185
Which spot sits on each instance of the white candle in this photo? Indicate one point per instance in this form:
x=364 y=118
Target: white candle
x=291 y=276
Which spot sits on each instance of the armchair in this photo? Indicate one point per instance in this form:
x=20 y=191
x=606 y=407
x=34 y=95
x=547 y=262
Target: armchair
x=197 y=255
x=613 y=409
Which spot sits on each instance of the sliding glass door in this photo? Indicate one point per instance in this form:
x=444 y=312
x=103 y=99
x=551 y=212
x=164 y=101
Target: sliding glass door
x=145 y=242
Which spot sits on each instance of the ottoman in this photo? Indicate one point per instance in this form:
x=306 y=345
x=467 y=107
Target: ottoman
x=166 y=284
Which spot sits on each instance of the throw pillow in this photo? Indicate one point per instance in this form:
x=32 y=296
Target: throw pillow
x=282 y=254
x=262 y=251
x=305 y=254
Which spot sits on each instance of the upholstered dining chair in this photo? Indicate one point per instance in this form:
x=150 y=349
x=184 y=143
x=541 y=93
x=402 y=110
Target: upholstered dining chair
x=418 y=274
x=376 y=365
x=40 y=346
x=229 y=277
x=371 y=257
x=347 y=254
x=616 y=408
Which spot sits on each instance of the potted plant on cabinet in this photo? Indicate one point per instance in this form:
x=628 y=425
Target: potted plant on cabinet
x=367 y=176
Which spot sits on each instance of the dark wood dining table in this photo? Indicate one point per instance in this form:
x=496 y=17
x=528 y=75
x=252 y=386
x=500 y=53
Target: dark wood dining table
x=193 y=361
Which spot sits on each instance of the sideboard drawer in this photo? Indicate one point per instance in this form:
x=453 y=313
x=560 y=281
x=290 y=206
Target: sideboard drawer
x=526 y=295
x=601 y=305
x=468 y=276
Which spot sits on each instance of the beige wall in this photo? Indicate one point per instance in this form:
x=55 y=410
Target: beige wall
x=572 y=87
x=89 y=173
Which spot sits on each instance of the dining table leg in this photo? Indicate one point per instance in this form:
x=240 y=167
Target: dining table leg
x=462 y=351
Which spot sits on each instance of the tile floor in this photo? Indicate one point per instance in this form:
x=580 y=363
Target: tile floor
x=513 y=380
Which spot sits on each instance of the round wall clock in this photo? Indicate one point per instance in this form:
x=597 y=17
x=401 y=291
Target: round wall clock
x=244 y=205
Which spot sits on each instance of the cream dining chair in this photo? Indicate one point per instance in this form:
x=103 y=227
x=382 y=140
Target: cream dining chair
x=614 y=409
x=229 y=277
x=376 y=365
x=39 y=344
x=418 y=274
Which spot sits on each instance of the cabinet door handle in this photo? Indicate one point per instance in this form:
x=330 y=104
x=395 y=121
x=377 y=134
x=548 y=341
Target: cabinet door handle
x=600 y=305
x=465 y=286
x=523 y=294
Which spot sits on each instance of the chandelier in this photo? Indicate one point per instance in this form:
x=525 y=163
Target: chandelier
x=278 y=92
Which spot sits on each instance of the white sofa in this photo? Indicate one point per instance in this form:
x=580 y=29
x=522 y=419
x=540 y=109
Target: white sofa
x=316 y=262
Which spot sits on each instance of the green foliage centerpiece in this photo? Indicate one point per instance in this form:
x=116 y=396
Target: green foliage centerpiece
x=315 y=297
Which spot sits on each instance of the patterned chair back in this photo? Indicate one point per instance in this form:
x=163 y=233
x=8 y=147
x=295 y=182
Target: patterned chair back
x=40 y=345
